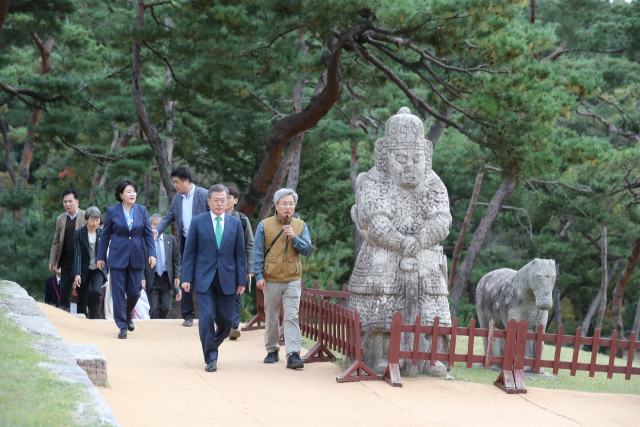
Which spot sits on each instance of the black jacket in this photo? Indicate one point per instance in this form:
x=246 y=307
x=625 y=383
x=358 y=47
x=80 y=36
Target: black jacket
x=52 y=291
x=82 y=256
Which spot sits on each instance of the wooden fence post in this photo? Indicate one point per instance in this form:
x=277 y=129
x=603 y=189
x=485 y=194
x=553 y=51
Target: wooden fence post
x=392 y=374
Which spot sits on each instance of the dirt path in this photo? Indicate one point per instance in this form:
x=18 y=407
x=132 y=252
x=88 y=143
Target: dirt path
x=157 y=378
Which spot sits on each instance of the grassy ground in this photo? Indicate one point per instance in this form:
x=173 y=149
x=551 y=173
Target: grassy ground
x=580 y=382
x=29 y=395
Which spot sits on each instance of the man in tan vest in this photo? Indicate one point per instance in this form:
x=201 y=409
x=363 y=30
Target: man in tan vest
x=62 y=252
x=278 y=244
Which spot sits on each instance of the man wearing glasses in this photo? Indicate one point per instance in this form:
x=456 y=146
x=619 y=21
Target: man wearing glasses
x=278 y=244
x=214 y=263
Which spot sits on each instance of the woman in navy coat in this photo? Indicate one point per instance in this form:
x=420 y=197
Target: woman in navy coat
x=126 y=230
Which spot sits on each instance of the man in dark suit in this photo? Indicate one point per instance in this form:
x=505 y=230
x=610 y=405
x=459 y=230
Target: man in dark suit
x=215 y=262
x=189 y=203
x=161 y=280
x=52 y=289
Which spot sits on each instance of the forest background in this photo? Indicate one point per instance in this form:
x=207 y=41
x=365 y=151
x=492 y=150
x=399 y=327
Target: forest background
x=532 y=107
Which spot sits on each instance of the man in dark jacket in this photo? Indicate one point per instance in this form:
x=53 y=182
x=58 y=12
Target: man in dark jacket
x=165 y=277
x=248 y=246
x=52 y=289
x=190 y=202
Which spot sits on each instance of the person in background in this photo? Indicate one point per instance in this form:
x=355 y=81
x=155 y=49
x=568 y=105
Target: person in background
x=88 y=279
x=52 y=289
x=62 y=254
x=248 y=247
x=189 y=203
x=162 y=280
x=126 y=230
x=279 y=242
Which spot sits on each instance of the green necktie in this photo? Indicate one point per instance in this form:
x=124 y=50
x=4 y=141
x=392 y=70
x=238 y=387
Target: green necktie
x=218 y=231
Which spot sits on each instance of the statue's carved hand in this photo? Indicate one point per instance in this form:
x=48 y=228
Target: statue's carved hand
x=410 y=246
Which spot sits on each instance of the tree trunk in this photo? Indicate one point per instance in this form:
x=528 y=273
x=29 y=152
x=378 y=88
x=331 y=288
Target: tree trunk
x=117 y=144
x=153 y=137
x=557 y=312
x=465 y=227
x=147 y=188
x=7 y=146
x=97 y=177
x=437 y=128
x=596 y=301
x=636 y=321
x=604 y=283
x=507 y=186
x=276 y=184
x=285 y=129
x=618 y=291
x=34 y=116
x=294 y=169
x=4 y=9
x=169 y=109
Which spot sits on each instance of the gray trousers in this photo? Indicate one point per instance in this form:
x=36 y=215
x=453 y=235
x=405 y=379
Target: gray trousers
x=288 y=294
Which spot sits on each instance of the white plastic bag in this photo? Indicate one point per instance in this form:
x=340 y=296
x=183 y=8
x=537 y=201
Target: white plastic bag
x=141 y=310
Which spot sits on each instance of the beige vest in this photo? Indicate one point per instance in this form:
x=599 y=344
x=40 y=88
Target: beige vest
x=282 y=263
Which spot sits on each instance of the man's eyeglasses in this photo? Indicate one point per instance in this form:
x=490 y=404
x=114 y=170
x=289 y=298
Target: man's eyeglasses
x=219 y=201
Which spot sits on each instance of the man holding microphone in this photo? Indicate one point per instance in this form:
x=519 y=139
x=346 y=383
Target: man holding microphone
x=278 y=244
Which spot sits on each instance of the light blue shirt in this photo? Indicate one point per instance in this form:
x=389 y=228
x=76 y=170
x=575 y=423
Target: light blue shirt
x=74 y=215
x=161 y=264
x=302 y=244
x=187 y=210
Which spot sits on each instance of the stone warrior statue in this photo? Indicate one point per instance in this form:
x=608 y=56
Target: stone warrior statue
x=402 y=212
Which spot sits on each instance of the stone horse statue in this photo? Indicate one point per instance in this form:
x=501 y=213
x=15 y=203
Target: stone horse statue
x=507 y=294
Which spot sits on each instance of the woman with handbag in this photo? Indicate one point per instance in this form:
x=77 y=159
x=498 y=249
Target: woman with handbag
x=126 y=230
x=88 y=278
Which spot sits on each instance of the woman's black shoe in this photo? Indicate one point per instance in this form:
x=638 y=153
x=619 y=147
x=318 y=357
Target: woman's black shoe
x=131 y=326
x=123 y=334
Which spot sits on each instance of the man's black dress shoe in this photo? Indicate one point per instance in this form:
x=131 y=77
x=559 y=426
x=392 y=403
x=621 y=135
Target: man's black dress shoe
x=130 y=325
x=212 y=366
x=123 y=334
x=272 y=357
x=294 y=362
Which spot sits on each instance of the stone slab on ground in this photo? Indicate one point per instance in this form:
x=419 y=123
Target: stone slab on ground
x=97 y=411
x=13 y=290
x=56 y=350
x=35 y=325
x=91 y=360
x=20 y=306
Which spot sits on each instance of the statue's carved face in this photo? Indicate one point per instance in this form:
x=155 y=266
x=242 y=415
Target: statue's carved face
x=406 y=167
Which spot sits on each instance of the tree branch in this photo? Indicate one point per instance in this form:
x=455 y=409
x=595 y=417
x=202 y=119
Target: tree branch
x=166 y=61
x=582 y=189
x=561 y=51
x=595 y=243
x=99 y=158
x=18 y=92
x=628 y=135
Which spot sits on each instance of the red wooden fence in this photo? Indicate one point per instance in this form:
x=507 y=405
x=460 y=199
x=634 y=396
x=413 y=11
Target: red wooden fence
x=258 y=321
x=511 y=378
x=335 y=328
